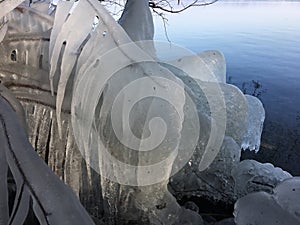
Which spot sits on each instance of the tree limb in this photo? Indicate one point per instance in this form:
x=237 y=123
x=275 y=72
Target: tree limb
x=155 y=5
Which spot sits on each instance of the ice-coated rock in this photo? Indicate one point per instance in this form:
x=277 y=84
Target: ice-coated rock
x=216 y=181
x=191 y=206
x=251 y=176
x=224 y=98
x=287 y=195
x=209 y=66
x=227 y=221
x=254 y=124
x=280 y=208
x=206 y=66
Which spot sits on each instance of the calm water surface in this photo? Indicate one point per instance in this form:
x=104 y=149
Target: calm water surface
x=261 y=44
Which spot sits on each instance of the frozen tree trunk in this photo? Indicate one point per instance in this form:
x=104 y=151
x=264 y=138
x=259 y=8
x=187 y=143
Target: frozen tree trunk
x=137 y=21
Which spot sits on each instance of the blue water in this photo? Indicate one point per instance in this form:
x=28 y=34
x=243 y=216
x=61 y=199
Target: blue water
x=261 y=44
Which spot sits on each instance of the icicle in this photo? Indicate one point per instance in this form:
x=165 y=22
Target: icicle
x=61 y=15
x=74 y=32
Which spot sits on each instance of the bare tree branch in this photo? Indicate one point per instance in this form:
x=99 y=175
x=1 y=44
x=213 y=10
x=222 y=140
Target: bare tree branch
x=170 y=6
x=170 y=9
x=165 y=22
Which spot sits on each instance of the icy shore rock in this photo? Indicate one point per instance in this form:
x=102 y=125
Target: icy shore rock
x=215 y=182
x=205 y=95
x=254 y=124
x=287 y=195
x=245 y=114
x=261 y=208
x=227 y=221
x=251 y=176
x=244 y=121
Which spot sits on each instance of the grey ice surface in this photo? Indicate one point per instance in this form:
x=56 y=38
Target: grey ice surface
x=215 y=182
x=261 y=208
x=250 y=176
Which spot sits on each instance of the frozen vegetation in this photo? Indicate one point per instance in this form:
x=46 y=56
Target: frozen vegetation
x=83 y=90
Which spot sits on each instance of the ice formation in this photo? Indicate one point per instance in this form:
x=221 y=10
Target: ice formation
x=207 y=66
x=210 y=64
x=204 y=73
x=282 y=207
x=251 y=176
x=254 y=123
x=85 y=58
x=287 y=195
x=216 y=181
x=88 y=118
x=244 y=114
x=74 y=39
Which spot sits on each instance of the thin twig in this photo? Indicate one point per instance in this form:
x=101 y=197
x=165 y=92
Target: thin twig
x=154 y=5
x=165 y=22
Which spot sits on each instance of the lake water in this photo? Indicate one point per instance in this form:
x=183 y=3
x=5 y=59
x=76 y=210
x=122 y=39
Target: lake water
x=261 y=44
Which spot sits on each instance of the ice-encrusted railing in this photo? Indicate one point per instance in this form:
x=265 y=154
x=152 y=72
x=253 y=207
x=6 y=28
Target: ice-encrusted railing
x=36 y=185
x=27 y=184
